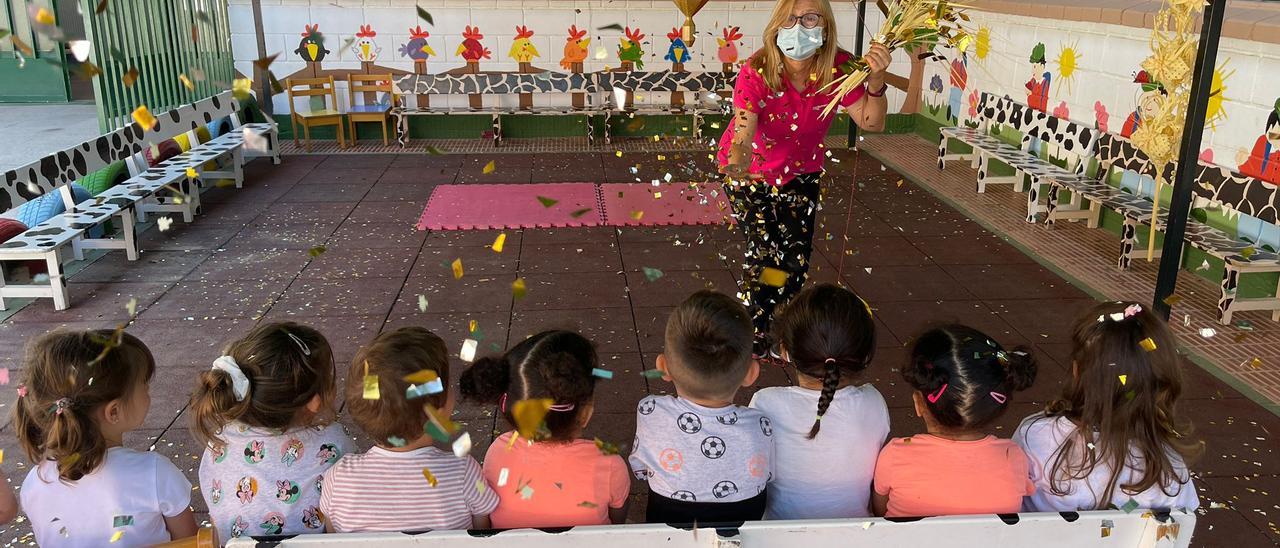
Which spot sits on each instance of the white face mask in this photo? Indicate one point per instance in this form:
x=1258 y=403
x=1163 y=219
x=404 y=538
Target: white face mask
x=798 y=42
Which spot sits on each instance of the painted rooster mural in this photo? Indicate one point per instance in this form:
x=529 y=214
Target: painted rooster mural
x=575 y=47
x=364 y=47
x=728 y=51
x=522 y=49
x=417 y=47
x=678 y=52
x=629 y=47
x=311 y=47
x=471 y=49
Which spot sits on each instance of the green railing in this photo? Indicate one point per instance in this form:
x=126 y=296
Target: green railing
x=33 y=75
x=158 y=53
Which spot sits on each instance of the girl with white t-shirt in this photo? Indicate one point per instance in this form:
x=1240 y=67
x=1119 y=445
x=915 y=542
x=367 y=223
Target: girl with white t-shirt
x=1115 y=438
x=828 y=335
x=82 y=391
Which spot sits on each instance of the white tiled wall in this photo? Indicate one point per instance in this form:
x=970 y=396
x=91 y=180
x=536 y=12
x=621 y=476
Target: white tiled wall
x=1110 y=55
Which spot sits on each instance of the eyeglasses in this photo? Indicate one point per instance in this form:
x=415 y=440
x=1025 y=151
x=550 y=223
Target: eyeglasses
x=808 y=20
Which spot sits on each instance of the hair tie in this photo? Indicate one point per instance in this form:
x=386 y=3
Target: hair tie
x=239 y=382
x=937 y=394
x=502 y=402
x=61 y=404
x=829 y=360
x=562 y=407
x=1000 y=398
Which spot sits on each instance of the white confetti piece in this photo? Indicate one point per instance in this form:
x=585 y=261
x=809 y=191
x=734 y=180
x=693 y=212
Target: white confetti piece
x=468 y=352
x=163 y=223
x=422 y=303
x=80 y=49
x=1208 y=332
x=462 y=445
x=502 y=477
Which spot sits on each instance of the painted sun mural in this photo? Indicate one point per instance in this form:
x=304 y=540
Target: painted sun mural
x=1218 y=94
x=1068 y=60
x=982 y=46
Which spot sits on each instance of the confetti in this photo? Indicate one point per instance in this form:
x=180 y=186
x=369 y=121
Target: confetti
x=1248 y=252
x=547 y=202
x=80 y=49
x=1204 y=265
x=431 y=479
x=614 y=26
x=192 y=173
x=434 y=151
x=130 y=78
x=489 y=167
x=468 y=352
x=115 y=537
x=396 y=441
x=1208 y=332
x=1124 y=379
x=651 y=274
x=1106 y=527
x=637 y=214
x=528 y=415
x=498 y=242
x=422 y=14
x=132 y=307
x=144 y=118
x=44 y=16
x=652 y=374
x=1 y=455
x=186 y=82
x=1147 y=344
x=422 y=303
x=580 y=212
x=518 y=289
x=607 y=448
x=424 y=389
x=421 y=376
x=595 y=371
x=316 y=251
x=480 y=486
x=462 y=445
x=102 y=6
x=121 y=521
x=1129 y=506
x=773 y=277
x=1255 y=363
x=526 y=492
x=1172 y=300
x=370 y=384
x=503 y=476
x=601 y=53
x=900 y=183
x=587 y=504
x=457 y=269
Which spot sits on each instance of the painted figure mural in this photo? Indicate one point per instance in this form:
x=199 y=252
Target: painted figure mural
x=522 y=50
x=728 y=50
x=311 y=47
x=364 y=47
x=575 y=47
x=1149 y=100
x=629 y=47
x=417 y=47
x=1263 y=161
x=1038 y=85
x=471 y=50
x=959 y=81
x=678 y=52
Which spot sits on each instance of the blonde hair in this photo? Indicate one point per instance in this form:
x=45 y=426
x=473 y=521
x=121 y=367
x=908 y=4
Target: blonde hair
x=768 y=59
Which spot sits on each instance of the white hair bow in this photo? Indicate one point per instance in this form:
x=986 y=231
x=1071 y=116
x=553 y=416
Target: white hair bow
x=239 y=382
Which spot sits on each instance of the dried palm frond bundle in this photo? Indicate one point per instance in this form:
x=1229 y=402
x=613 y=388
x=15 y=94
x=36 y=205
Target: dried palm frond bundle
x=917 y=25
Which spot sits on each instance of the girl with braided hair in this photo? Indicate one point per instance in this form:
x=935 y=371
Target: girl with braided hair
x=827 y=333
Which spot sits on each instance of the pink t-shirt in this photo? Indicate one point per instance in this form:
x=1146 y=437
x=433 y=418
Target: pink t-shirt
x=925 y=475
x=790 y=126
x=554 y=484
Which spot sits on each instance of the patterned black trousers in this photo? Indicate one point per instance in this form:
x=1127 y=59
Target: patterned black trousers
x=779 y=224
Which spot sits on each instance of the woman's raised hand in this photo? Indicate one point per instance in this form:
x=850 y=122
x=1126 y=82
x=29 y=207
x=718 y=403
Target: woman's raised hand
x=878 y=59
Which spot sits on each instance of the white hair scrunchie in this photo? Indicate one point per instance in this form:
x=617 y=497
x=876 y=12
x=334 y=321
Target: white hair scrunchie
x=239 y=382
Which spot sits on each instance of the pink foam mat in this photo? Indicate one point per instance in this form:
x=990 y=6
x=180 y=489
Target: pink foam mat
x=480 y=206
x=640 y=204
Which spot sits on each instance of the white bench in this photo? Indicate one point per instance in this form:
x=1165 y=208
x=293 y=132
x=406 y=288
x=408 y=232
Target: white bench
x=616 y=86
x=1137 y=529
x=49 y=240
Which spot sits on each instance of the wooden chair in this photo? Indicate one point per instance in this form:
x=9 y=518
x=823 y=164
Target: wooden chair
x=313 y=87
x=369 y=86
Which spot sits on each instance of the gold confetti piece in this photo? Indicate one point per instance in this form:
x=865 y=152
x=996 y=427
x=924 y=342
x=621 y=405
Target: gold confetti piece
x=370 y=384
x=45 y=17
x=900 y=183
x=518 y=289
x=1 y=455
x=192 y=174
x=661 y=158
x=489 y=167
x=431 y=479
x=422 y=303
x=606 y=448
x=471 y=326
x=588 y=504
x=1255 y=363
x=637 y=214
x=499 y=242
x=468 y=352
x=421 y=376
x=1124 y=379
x=130 y=78
x=316 y=251
x=528 y=415
x=457 y=269
x=1147 y=344
x=186 y=82
x=240 y=88
x=1248 y=252
x=657 y=195
x=773 y=277
x=115 y=537
x=1172 y=300
x=144 y=118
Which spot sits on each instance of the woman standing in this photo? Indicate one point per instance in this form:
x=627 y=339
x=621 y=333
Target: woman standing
x=772 y=153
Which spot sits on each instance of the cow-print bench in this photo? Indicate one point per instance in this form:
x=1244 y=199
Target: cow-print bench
x=499 y=88
x=1069 y=142
x=74 y=229
x=1217 y=188
x=706 y=88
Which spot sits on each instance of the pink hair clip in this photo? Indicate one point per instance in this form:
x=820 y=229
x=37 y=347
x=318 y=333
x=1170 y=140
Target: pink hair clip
x=937 y=394
x=1000 y=398
x=502 y=402
x=1132 y=310
x=562 y=407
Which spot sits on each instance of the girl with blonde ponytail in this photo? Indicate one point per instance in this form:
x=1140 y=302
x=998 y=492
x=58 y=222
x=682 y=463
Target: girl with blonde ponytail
x=81 y=392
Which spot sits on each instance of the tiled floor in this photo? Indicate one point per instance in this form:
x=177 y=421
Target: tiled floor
x=916 y=260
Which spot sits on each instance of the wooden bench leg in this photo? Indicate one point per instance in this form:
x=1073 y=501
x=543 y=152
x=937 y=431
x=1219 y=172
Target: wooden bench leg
x=351 y=124
x=1051 y=203
x=1033 y=200
x=497 y=130
x=1095 y=214
x=294 y=123
x=942 y=151
x=385 y=141
x=1128 y=239
x=57 y=285
x=1228 y=286
x=983 y=165
x=130 y=232
x=306 y=135
x=274 y=143
x=237 y=166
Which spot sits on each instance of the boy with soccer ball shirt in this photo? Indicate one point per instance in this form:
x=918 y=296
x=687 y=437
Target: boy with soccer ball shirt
x=704 y=458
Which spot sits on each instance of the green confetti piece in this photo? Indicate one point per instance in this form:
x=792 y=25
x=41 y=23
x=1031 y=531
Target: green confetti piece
x=122 y=521
x=1248 y=252
x=580 y=212
x=1129 y=506
x=602 y=373
x=608 y=448
x=396 y=441
x=652 y=374
x=435 y=432
x=652 y=274
x=547 y=202
x=316 y=251
x=434 y=151
x=422 y=14
x=614 y=26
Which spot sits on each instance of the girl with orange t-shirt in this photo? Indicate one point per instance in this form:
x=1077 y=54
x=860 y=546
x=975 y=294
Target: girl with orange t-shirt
x=963 y=382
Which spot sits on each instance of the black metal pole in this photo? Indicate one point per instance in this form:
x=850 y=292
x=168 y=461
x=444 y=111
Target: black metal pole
x=260 y=76
x=1184 y=179
x=857 y=52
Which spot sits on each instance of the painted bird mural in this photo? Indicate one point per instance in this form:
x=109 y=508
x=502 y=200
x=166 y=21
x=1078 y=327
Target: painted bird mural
x=522 y=49
x=417 y=47
x=575 y=47
x=471 y=50
x=311 y=47
x=629 y=47
x=678 y=52
x=728 y=51
x=364 y=47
